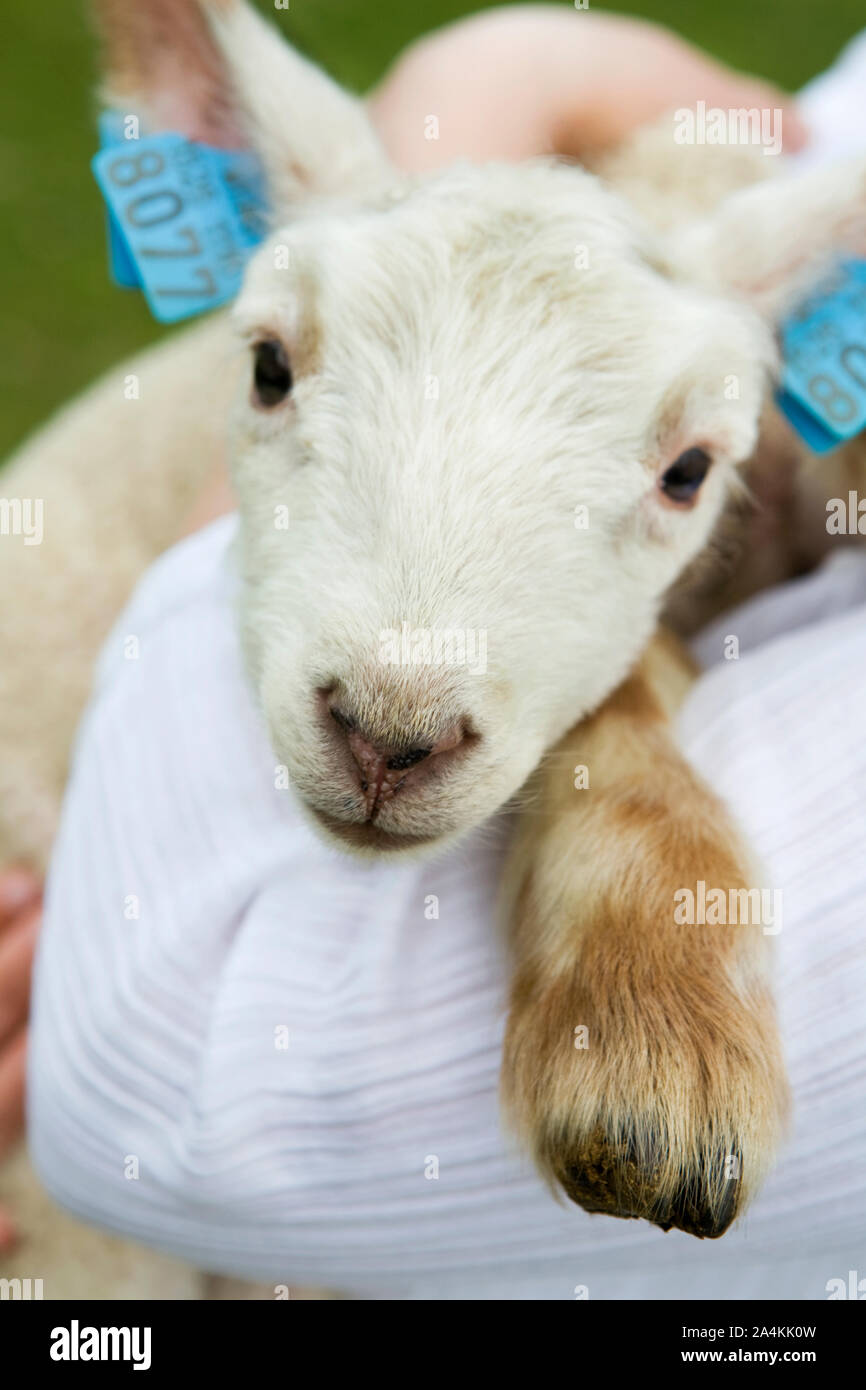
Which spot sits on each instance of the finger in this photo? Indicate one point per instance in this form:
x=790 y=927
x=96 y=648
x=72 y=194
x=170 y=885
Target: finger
x=12 y=1074
x=8 y=1233
x=19 y=888
x=17 y=946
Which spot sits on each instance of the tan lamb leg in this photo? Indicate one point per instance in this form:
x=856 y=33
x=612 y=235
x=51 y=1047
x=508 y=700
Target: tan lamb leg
x=642 y=1063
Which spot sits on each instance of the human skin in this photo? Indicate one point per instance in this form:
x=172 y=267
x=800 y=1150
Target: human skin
x=20 y=915
x=506 y=84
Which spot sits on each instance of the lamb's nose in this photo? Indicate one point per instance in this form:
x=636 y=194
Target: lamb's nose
x=382 y=769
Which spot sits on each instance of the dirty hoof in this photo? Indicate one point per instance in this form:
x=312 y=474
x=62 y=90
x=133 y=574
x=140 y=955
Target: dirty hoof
x=616 y=1178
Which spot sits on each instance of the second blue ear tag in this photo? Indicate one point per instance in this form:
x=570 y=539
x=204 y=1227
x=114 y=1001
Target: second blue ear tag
x=183 y=218
x=823 y=390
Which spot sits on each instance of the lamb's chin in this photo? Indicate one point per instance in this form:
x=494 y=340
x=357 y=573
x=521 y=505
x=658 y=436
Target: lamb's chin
x=417 y=822
x=367 y=839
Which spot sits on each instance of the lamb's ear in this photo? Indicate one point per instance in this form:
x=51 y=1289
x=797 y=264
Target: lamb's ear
x=217 y=72
x=774 y=241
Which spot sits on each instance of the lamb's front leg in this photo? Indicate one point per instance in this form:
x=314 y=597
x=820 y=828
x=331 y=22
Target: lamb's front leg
x=642 y=1064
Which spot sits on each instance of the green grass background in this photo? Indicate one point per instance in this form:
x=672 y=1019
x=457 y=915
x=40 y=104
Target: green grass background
x=63 y=321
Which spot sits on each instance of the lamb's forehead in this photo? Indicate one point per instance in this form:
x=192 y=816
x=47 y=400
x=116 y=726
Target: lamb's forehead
x=473 y=264
x=543 y=229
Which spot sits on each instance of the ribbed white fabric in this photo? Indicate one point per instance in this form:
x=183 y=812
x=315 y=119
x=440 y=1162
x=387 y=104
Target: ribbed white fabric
x=157 y=1036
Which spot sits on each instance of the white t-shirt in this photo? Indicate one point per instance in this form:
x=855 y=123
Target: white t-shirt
x=276 y=1062
x=273 y=1060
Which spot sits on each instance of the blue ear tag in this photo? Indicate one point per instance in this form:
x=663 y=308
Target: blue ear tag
x=823 y=390
x=243 y=179
x=183 y=218
x=123 y=271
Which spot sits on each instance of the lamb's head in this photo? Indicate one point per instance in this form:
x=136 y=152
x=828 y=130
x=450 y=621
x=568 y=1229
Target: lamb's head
x=484 y=429
x=488 y=421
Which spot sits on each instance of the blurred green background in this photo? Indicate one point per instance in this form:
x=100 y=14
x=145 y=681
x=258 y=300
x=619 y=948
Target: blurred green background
x=63 y=321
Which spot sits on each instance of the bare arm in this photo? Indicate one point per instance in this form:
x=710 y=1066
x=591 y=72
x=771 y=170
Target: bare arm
x=529 y=80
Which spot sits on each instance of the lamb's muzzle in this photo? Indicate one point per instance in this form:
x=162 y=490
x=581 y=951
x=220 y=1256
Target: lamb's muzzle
x=382 y=769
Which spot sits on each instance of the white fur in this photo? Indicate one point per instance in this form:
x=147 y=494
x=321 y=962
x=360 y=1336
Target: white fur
x=459 y=511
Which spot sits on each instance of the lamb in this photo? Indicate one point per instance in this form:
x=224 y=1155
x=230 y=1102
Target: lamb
x=455 y=510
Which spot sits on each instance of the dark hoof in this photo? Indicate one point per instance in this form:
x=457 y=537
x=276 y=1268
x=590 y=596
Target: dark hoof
x=616 y=1178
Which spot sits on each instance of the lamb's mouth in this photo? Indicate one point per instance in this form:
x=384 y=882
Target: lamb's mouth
x=361 y=836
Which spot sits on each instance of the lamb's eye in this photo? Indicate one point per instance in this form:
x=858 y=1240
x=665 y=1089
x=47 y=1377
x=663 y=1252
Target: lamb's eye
x=272 y=375
x=682 y=480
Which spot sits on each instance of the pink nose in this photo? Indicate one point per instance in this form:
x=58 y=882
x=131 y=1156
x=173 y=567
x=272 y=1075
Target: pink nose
x=382 y=770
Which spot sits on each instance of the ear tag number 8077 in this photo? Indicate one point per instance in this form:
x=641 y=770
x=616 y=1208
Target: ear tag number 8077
x=184 y=218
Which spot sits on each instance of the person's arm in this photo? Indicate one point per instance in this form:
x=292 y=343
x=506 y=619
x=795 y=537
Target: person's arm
x=527 y=80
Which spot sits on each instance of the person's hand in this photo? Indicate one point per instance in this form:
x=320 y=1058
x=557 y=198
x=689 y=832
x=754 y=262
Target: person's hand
x=20 y=916
x=539 y=79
